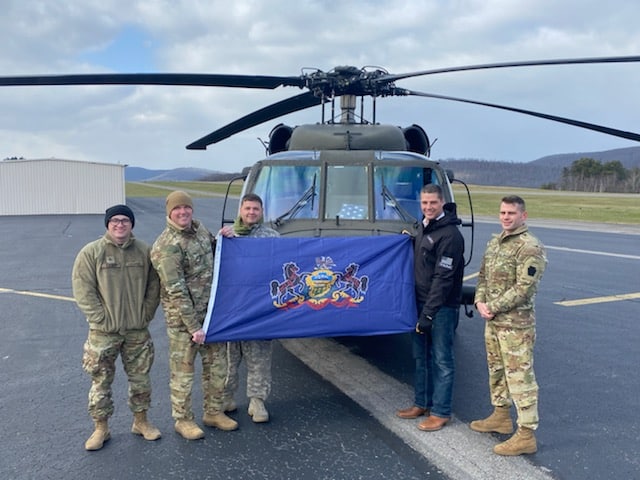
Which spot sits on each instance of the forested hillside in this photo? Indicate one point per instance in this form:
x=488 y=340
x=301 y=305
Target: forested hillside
x=484 y=172
x=544 y=171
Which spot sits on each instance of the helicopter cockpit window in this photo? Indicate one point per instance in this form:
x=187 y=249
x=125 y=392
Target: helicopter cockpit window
x=289 y=191
x=347 y=196
x=397 y=191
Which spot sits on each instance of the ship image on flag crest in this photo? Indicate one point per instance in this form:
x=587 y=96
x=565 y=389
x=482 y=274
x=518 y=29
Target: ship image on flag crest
x=319 y=287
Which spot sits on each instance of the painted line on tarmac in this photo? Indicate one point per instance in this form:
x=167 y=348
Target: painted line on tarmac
x=456 y=450
x=594 y=300
x=36 y=294
x=594 y=252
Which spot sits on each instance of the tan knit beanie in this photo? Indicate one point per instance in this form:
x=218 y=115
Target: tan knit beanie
x=177 y=198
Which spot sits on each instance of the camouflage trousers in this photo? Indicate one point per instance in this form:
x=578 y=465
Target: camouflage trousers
x=99 y=360
x=182 y=356
x=511 y=376
x=257 y=355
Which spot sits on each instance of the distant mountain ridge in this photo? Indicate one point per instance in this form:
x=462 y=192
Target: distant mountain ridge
x=629 y=157
x=543 y=171
x=534 y=174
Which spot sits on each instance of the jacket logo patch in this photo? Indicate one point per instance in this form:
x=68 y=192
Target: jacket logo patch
x=446 y=262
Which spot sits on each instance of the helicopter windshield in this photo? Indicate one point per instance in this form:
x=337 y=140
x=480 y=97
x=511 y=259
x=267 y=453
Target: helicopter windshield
x=397 y=190
x=385 y=189
x=287 y=187
x=347 y=192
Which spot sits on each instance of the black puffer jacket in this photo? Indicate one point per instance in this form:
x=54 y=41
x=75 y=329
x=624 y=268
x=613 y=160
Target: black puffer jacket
x=439 y=263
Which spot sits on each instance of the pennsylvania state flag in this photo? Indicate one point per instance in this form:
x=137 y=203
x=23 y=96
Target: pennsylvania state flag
x=267 y=288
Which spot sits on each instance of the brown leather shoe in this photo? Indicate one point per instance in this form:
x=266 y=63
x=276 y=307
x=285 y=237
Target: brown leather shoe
x=412 y=412
x=432 y=423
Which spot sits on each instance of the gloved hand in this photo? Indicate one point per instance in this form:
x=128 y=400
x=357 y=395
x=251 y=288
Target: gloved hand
x=424 y=323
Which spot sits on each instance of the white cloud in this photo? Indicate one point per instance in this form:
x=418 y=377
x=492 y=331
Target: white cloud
x=150 y=125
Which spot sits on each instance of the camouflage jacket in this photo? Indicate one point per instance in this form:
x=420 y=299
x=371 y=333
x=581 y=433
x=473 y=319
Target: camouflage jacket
x=259 y=230
x=509 y=275
x=183 y=259
x=115 y=286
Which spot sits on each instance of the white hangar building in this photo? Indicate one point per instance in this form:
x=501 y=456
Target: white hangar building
x=52 y=186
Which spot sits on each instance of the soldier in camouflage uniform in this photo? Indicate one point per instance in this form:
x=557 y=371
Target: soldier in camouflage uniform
x=183 y=257
x=116 y=287
x=257 y=353
x=510 y=272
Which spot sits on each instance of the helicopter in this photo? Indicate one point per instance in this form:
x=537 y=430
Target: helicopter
x=345 y=175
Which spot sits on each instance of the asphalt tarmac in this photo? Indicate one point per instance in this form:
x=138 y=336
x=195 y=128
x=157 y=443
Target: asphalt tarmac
x=333 y=402
x=315 y=430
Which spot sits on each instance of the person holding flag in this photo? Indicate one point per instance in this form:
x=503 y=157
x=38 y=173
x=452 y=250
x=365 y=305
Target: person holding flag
x=438 y=267
x=257 y=353
x=183 y=257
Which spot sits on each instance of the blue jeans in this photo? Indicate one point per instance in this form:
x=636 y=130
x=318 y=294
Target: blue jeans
x=435 y=363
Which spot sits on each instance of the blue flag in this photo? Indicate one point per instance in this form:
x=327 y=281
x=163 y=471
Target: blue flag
x=267 y=288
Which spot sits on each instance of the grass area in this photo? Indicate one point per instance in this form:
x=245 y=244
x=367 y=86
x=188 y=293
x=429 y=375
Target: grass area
x=549 y=204
x=541 y=204
x=196 y=189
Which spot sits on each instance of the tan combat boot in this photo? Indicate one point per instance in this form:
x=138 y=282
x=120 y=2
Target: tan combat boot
x=257 y=410
x=499 y=421
x=219 y=420
x=523 y=441
x=141 y=426
x=100 y=435
x=189 y=429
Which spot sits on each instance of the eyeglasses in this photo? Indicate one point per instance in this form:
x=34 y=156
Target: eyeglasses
x=120 y=221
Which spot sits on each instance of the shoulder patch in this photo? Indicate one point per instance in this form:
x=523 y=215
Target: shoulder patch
x=446 y=262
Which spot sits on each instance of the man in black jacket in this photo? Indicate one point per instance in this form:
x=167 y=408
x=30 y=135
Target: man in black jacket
x=438 y=268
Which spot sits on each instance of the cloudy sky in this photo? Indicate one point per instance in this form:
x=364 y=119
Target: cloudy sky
x=149 y=126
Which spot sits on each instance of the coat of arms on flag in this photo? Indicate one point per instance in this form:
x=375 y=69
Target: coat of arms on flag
x=321 y=286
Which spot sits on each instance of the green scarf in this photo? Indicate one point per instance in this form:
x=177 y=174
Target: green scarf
x=240 y=229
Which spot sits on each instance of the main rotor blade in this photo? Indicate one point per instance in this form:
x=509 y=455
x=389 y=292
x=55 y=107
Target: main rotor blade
x=568 y=121
x=529 y=63
x=290 y=105
x=187 y=79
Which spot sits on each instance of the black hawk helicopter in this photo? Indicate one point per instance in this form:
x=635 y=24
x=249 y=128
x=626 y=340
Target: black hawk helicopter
x=344 y=176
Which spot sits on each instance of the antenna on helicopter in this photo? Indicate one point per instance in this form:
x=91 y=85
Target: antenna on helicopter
x=265 y=145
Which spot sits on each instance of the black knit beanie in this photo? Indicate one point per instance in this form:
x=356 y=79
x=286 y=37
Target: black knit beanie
x=119 y=210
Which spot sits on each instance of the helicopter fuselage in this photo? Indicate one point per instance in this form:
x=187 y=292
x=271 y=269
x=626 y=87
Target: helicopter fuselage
x=344 y=179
